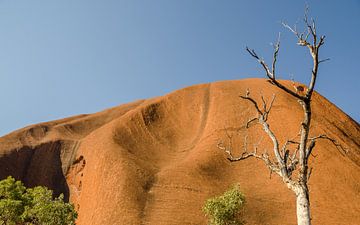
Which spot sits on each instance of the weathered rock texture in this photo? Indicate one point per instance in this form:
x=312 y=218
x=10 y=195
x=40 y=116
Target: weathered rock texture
x=155 y=161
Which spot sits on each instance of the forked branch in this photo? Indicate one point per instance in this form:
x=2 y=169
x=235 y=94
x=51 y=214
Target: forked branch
x=294 y=154
x=285 y=163
x=248 y=154
x=262 y=113
x=313 y=47
x=271 y=73
x=312 y=143
x=302 y=41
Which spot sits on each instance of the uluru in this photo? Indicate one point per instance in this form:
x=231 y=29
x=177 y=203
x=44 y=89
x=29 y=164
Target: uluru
x=156 y=161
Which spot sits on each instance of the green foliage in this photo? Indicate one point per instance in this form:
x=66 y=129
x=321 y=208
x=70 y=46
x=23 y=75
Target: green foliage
x=32 y=206
x=225 y=209
x=11 y=201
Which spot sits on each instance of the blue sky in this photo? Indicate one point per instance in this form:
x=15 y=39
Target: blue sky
x=62 y=58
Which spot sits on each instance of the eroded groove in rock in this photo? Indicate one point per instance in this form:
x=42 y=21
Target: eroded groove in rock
x=155 y=161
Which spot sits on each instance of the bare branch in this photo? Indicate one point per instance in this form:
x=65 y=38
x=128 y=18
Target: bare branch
x=279 y=85
x=276 y=51
x=264 y=112
x=300 y=36
x=250 y=121
x=293 y=30
x=244 y=155
x=280 y=167
x=309 y=174
x=290 y=161
x=324 y=60
x=313 y=26
x=293 y=157
x=292 y=166
x=227 y=148
x=261 y=61
x=271 y=104
x=271 y=74
x=287 y=159
x=322 y=41
x=264 y=103
x=247 y=97
x=283 y=149
x=322 y=136
x=286 y=156
x=314 y=48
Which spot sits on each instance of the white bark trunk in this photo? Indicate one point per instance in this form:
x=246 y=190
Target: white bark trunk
x=303 y=208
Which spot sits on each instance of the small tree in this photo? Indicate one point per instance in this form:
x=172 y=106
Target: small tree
x=11 y=201
x=225 y=209
x=293 y=156
x=32 y=206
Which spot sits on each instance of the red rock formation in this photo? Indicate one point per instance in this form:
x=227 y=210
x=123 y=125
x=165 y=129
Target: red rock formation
x=155 y=161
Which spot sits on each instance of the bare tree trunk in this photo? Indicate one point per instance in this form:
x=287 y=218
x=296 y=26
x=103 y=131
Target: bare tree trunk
x=294 y=155
x=303 y=207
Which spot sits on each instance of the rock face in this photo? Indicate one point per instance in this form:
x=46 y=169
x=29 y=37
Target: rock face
x=155 y=161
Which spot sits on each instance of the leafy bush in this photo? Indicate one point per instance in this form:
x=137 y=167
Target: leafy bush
x=32 y=206
x=225 y=209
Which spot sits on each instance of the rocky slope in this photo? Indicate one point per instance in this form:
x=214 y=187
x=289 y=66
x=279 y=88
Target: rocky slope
x=155 y=161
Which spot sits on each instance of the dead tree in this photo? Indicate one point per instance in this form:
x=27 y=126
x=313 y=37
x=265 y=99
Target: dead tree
x=286 y=160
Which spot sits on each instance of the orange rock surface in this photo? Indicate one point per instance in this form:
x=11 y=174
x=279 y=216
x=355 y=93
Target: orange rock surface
x=156 y=161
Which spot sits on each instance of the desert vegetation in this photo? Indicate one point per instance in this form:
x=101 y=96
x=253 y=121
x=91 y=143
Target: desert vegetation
x=226 y=209
x=32 y=206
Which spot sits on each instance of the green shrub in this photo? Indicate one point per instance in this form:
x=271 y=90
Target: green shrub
x=225 y=209
x=32 y=206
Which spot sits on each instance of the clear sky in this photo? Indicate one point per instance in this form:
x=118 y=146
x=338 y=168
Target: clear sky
x=62 y=58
